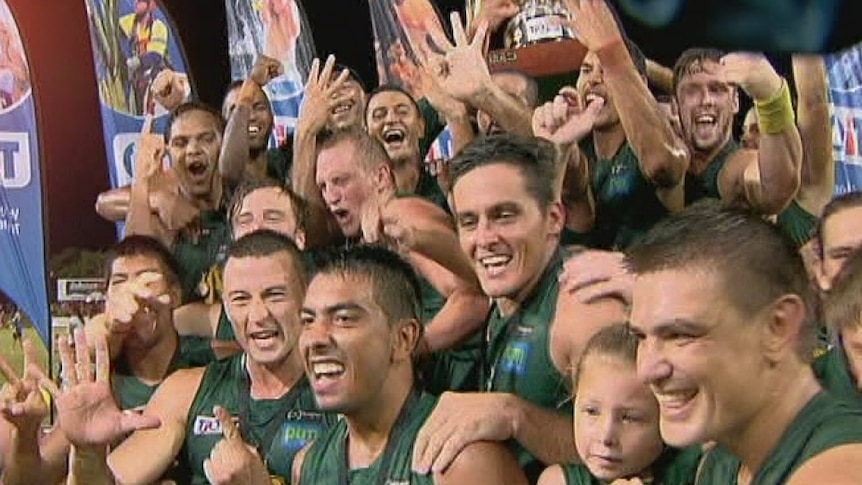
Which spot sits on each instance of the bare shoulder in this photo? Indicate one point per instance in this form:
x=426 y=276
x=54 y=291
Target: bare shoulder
x=417 y=207
x=835 y=466
x=483 y=462
x=553 y=475
x=575 y=322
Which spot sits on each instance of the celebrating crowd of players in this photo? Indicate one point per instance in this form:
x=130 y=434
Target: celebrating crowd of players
x=597 y=288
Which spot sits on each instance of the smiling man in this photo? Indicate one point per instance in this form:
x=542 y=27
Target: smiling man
x=722 y=306
x=706 y=87
x=360 y=333
x=394 y=118
x=510 y=232
x=264 y=387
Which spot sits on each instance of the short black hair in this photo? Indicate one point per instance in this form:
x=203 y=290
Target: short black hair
x=755 y=261
x=351 y=74
x=190 y=106
x=253 y=184
x=394 y=285
x=535 y=159
x=391 y=88
x=139 y=245
x=263 y=243
x=843 y=302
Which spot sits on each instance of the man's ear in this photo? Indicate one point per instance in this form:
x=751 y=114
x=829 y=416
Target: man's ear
x=407 y=334
x=783 y=329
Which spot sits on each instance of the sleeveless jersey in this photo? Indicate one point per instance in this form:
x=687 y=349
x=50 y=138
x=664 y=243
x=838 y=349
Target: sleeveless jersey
x=626 y=202
x=198 y=255
x=326 y=460
x=519 y=355
x=824 y=423
x=673 y=467
x=279 y=428
x=797 y=223
x=833 y=371
x=705 y=185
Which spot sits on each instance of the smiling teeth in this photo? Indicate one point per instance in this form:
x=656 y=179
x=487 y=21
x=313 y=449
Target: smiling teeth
x=253 y=130
x=495 y=260
x=327 y=369
x=705 y=119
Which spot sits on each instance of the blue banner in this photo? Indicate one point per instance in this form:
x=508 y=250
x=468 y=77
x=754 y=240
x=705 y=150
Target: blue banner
x=845 y=88
x=278 y=29
x=22 y=238
x=133 y=41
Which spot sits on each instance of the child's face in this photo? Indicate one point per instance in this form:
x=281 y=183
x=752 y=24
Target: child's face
x=616 y=419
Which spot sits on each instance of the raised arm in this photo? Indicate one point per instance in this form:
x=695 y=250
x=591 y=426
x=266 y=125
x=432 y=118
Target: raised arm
x=662 y=155
x=463 y=73
x=768 y=179
x=235 y=145
x=322 y=229
x=815 y=131
x=565 y=122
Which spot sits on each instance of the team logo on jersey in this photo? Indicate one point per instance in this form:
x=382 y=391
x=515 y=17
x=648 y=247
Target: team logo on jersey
x=301 y=428
x=515 y=356
x=208 y=425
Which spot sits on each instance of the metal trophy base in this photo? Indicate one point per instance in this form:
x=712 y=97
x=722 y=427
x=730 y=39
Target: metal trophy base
x=540 y=60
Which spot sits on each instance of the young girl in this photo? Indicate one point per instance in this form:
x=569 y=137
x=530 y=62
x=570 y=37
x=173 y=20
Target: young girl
x=616 y=422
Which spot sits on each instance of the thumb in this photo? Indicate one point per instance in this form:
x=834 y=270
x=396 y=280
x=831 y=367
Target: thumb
x=229 y=429
x=594 y=107
x=131 y=421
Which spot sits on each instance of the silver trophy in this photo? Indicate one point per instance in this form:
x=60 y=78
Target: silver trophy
x=539 y=21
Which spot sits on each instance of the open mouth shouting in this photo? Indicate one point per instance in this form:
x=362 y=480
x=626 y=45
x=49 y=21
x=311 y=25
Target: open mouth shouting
x=325 y=373
x=494 y=265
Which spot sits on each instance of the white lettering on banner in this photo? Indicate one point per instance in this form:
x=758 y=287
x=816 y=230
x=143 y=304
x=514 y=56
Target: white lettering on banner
x=15 y=169
x=9 y=220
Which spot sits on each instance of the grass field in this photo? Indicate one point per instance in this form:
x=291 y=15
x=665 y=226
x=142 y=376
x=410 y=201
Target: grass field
x=14 y=353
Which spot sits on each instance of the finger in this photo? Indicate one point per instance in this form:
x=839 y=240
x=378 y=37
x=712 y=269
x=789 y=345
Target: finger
x=440 y=41
x=103 y=359
x=82 y=354
x=479 y=37
x=574 y=6
x=595 y=106
x=326 y=73
x=313 y=74
x=458 y=33
x=49 y=386
x=450 y=449
x=31 y=359
x=147 y=127
x=560 y=109
x=336 y=83
x=131 y=421
x=208 y=471
x=548 y=117
x=571 y=95
x=8 y=372
x=228 y=427
x=67 y=360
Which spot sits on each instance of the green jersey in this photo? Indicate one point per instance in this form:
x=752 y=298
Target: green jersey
x=705 y=185
x=797 y=223
x=835 y=374
x=278 y=163
x=278 y=428
x=626 y=202
x=200 y=254
x=824 y=423
x=519 y=355
x=673 y=467
x=326 y=461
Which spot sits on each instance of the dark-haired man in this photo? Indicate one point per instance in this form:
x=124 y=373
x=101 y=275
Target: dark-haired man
x=838 y=236
x=245 y=150
x=394 y=118
x=143 y=290
x=361 y=329
x=706 y=84
x=510 y=232
x=723 y=309
x=183 y=202
x=624 y=164
x=264 y=386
